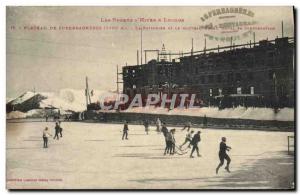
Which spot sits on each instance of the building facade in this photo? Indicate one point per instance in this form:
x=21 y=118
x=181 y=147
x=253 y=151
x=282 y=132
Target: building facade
x=258 y=74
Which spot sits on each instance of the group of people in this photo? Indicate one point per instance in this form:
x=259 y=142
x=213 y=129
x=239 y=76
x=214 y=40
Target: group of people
x=191 y=139
x=46 y=134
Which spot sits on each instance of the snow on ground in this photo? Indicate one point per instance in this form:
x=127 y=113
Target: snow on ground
x=285 y=114
x=70 y=99
x=15 y=115
x=92 y=155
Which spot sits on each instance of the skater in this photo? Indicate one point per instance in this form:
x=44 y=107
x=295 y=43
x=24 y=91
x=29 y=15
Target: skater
x=204 y=121
x=194 y=143
x=57 y=130
x=46 y=118
x=60 y=128
x=223 y=155
x=165 y=132
x=125 y=130
x=158 y=124
x=188 y=139
x=164 y=129
x=187 y=125
x=146 y=124
x=173 y=142
x=169 y=142
x=46 y=134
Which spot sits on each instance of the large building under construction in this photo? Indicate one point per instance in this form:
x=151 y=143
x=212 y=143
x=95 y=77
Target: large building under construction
x=253 y=74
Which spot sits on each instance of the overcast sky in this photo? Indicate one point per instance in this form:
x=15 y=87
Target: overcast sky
x=50 y=60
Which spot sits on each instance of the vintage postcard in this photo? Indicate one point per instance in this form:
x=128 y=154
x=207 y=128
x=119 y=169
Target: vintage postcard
x=157 y=97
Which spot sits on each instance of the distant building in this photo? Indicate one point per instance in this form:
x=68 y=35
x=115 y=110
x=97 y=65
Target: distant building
x=258 y=74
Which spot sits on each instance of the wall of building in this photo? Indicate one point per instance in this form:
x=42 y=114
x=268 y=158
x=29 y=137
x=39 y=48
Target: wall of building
x=260 y=69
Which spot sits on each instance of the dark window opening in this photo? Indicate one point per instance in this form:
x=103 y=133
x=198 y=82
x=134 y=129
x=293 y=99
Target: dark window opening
x=211 y=78
x=219 y=78
x=238 y=77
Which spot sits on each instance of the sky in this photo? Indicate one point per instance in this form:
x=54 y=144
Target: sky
x=50 y=60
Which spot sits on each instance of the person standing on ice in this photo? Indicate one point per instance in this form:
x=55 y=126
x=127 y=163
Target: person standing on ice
x=125 y=130
x=46 y=134
x=187 y=125
x=158 y=124
x=188 y=139
x=173 y=142
x=223 y=155
x=165 y=132
x=169 y=142
x=146 y=124
x=57 y=130
x=196 y=139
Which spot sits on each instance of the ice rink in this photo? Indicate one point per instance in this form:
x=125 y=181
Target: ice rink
x=93 y=156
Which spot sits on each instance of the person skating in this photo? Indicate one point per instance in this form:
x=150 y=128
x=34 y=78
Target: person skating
x=57 y=130
x=60 y=128
x=46 y=134
x=146 y=124
x=223 y=155
x=169 y=143
x=187 y=125
x=173 y=142
x=196 y=139
x=165 y=132
x=125 y=131
x=188 y=139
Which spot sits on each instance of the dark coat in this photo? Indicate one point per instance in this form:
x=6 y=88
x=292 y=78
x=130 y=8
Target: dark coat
x=125 y=127
x=196 y=139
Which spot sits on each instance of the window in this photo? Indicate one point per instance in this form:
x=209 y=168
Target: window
x=210 y=92
x=230 y=77
x=211 y=78
x=252 y=90
x=250 y=76
x=250 y=60
x=239 y=90
x=219 y=78
x=238 y=77
x=202 y=78
x=233 y=65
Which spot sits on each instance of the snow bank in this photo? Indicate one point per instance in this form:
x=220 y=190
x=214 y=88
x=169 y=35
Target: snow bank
x=15 y=115
x=70 y=99
x=285 y=114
